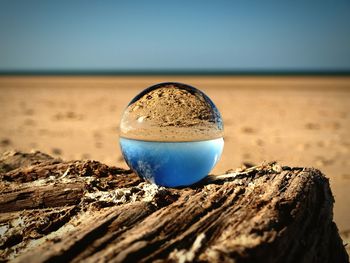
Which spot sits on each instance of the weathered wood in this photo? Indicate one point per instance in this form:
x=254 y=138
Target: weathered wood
x=56 y=211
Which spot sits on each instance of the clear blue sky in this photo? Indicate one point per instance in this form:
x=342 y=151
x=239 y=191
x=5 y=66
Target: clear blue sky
x=146 y=35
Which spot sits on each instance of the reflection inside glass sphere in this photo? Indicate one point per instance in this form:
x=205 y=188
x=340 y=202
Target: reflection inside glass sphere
x=171 y=134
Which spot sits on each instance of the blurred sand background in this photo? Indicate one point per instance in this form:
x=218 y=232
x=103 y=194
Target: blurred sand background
x=298 y=121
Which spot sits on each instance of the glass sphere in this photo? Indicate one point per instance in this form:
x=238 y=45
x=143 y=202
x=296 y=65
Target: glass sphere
x=171 y=134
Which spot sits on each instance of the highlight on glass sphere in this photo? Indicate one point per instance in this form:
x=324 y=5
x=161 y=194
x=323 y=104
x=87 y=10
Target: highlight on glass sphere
x=171 y=134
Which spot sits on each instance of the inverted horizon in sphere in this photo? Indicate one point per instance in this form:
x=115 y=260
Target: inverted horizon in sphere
x=171 y=134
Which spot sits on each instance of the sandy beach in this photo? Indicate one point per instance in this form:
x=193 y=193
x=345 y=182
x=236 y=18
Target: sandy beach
x=297 y=121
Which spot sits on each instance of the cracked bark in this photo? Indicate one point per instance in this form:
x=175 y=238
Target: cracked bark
x=57 y=211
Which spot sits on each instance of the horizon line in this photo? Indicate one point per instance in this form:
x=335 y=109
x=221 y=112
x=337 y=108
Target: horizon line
x=160 y=72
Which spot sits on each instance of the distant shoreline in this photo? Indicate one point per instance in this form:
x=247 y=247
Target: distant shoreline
x=281 y=73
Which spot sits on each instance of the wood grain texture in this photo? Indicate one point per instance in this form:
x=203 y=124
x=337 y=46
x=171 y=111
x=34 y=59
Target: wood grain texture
x=85 y=211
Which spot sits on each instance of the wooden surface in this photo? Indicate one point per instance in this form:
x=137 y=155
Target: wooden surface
x=56 y=211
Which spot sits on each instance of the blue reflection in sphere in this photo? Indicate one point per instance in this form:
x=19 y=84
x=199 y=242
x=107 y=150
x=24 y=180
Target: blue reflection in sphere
x=171 y=134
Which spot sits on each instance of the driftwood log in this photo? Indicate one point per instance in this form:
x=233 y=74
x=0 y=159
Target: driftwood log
x=57 y=211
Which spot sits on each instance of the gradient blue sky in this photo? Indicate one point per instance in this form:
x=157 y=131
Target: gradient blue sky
x=168 y=35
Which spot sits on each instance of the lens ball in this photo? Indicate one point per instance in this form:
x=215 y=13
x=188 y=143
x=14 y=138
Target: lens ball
x=171 y=134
